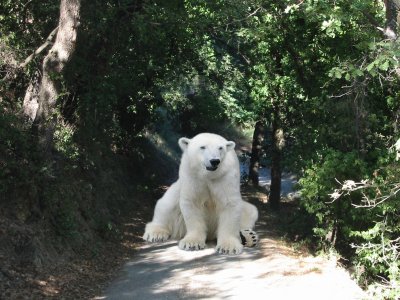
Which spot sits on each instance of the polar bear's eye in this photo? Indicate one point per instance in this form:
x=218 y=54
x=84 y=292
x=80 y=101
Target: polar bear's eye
x=203 y=147
x=220 y=148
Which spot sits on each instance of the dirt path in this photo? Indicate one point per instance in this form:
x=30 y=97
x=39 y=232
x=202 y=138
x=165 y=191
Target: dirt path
x=271 y=271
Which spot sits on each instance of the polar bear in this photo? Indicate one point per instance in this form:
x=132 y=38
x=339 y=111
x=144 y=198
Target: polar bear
x=205 y=202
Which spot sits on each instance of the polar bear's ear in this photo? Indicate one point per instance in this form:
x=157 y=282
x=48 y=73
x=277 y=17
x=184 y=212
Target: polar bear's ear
x=184 y=143
x=230 y=145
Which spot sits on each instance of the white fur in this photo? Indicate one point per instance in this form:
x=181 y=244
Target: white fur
x=204 y=204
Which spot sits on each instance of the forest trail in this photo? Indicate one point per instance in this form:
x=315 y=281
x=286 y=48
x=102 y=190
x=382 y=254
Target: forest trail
x=272 y=270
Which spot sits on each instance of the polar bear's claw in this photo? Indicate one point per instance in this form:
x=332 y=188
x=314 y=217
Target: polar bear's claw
x=155 y=236
x=230 y=247
x=191 y=245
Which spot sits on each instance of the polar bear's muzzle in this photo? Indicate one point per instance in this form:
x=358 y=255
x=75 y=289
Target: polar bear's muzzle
x=214 y=164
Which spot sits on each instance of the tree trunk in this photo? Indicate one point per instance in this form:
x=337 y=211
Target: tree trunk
x=258 y=138
x=49 y=85
x=278 y=142
x=392 y=18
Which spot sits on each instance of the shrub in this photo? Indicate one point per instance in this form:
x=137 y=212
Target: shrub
x=358 y=215
x=332 y=220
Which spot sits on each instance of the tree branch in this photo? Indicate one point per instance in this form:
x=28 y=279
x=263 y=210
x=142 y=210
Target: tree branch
x=243 y=19
x=39 y=50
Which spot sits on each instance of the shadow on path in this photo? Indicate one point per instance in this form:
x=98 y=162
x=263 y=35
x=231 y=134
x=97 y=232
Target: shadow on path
x=270 y=271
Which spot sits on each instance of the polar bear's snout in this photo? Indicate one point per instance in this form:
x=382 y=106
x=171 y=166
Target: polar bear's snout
x=214 y=164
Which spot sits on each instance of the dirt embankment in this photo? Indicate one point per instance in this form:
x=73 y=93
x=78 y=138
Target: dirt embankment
x=63 y=236
x=38 y=263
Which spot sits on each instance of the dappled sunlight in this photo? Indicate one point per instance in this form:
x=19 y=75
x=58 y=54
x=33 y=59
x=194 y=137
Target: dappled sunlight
x=48 y=286
x=272 y=270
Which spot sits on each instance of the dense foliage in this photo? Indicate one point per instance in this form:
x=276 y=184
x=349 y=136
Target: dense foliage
x=319 y=72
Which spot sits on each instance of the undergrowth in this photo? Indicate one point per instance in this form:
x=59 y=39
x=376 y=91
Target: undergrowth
x=354 y=210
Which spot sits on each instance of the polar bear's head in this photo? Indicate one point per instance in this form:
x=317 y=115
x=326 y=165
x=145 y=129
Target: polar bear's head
x=206 y=150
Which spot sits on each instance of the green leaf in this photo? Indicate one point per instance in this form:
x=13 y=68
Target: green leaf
x=358 y=72
x=338 y=74
x=370 y=66
x=384 y=66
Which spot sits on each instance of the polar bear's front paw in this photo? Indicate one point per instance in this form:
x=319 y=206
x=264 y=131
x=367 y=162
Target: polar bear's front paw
x=156 y=235
x=229 y=246
x=191 y=244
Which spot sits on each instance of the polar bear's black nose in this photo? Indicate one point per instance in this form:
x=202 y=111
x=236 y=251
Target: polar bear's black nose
x=215 y=162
